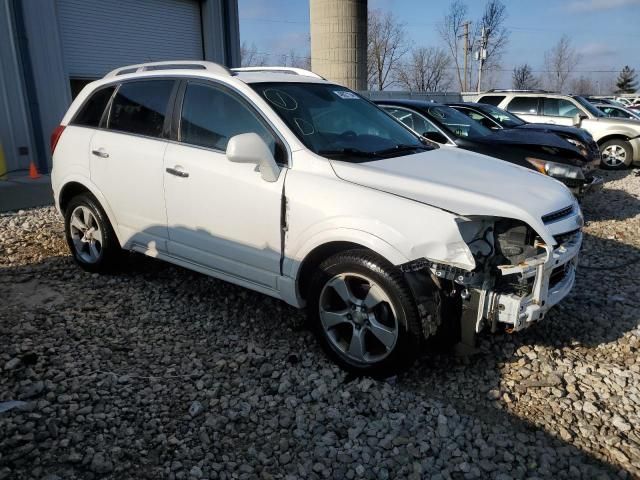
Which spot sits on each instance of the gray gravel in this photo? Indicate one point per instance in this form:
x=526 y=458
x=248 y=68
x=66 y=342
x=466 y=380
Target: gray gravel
x=159 y=372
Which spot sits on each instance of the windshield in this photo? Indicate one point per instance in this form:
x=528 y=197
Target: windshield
x=335 y=122
x=457 y=123
x=504 y=118
x=590 y=108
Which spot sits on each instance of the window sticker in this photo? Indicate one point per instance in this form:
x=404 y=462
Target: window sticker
x=346 y=95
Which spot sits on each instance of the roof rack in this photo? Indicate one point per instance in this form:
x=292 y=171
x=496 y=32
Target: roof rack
x=289 y=70
x=170 y=65
x=513 y=90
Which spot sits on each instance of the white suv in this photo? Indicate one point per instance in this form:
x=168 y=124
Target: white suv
x=617 y=138
x=290 y=185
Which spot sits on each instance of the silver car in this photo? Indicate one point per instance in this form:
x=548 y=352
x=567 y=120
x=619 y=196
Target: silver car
x=618 y=138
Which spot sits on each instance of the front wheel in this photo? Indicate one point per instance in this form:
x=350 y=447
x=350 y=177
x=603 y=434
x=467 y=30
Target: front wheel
x=364 y=314
x=616 y=154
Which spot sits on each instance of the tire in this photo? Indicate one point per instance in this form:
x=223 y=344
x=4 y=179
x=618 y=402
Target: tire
x=616 y=154
x=89 y=235
x=380 y=339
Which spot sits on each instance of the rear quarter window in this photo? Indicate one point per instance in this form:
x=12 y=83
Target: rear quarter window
x=525 y=105
x=91 y=111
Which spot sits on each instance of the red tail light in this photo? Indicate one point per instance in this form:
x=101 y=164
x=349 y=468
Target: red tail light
x=55 y=136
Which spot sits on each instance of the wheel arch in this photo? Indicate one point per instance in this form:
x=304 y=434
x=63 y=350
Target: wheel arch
x=302 y=271
x=73 y=187
x=613 y=136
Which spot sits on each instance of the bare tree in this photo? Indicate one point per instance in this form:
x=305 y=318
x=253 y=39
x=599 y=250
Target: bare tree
x=451 y=30
x=583 y=86
x=250 y=57
x=524 y=79
x=560 y=62
x=386 y=46
x=428 y=70
x=496 y=34
x=293 y=59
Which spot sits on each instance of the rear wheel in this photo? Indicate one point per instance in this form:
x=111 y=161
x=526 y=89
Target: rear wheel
x=89 y=234
x=364 y=314
x=616 y=154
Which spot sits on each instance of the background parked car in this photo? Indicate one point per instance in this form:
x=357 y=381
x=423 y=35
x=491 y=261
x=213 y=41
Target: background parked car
x=495 y=118
x=617 y=138
x=614 y=111
x=544 y=152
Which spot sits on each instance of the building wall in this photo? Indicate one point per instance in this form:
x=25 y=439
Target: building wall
x=339 y=41
x=35 y=95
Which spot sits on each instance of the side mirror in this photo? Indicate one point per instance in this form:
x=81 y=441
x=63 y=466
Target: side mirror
x=435 y=137
x=251 y=148
x=577 y=119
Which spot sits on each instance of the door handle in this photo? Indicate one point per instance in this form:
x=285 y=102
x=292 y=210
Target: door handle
x=100 y=153
x=177 y=173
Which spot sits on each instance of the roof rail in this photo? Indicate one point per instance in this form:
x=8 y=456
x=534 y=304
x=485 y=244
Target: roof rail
x=515 y=90
x=289 y=70
x=170 y=65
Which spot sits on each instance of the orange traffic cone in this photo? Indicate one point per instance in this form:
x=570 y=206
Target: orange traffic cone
x=33 y=171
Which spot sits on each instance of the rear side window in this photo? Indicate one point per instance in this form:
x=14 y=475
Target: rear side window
x=526 y=105
x=141 y=107
x=91 y=112
x=492 y=100
x=559 y=107
x=211 y=116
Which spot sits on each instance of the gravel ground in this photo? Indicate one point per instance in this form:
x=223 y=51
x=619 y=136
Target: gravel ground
x=159 y=372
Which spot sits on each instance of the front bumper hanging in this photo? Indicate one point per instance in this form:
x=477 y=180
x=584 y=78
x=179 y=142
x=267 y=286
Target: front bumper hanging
x=553 y=274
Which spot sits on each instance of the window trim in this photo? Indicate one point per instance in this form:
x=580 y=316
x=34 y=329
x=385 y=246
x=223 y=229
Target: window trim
x=544 y=100
x=410 y=110
x=176 y=117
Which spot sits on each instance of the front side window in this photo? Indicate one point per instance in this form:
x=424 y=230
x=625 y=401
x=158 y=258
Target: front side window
x=504 y=118
x=211 y=116
x=481 y=119
x=140 y=107
x=523 y=105
x=559 y=107
x=492 y=99
x=414 y=121
x=457 y=123
x=331 y=120
x=92 y=110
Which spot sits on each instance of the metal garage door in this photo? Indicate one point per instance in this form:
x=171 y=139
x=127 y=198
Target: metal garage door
x=99 y=35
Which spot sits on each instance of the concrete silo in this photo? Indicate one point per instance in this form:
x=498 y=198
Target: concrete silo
x=339 y=41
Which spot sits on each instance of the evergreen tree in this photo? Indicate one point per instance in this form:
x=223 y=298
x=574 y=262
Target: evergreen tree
x=626 y=82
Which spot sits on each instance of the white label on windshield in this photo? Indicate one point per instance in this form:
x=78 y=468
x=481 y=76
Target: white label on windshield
x=346 y=95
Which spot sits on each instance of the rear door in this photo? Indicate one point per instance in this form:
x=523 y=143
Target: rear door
x=127 y=159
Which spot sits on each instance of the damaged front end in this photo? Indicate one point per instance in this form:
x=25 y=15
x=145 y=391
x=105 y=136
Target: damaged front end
x=517 y=277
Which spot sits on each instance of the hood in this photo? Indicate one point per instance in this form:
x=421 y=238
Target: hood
x=532 y=138
x=557 y=129
x=626 y=123
x=465 y=183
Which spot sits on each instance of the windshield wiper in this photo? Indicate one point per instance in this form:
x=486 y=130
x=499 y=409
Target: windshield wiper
x=401 y=148
x=352 y=152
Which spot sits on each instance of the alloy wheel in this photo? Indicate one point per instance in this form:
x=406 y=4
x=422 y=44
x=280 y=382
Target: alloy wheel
x=86 y=234
x=614 y=155
x=358 y=318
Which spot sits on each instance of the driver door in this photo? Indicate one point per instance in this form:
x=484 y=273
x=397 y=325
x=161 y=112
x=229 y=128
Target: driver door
x=222 y=215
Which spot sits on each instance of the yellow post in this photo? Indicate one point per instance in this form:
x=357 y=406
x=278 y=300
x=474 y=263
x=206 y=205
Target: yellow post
x=3 y=164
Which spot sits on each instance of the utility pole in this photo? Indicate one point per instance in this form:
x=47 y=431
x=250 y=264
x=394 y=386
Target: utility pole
x=466 y=52
x=482 y=55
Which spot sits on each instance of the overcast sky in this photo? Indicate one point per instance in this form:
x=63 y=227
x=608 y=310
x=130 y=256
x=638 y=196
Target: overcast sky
x=605 y=32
